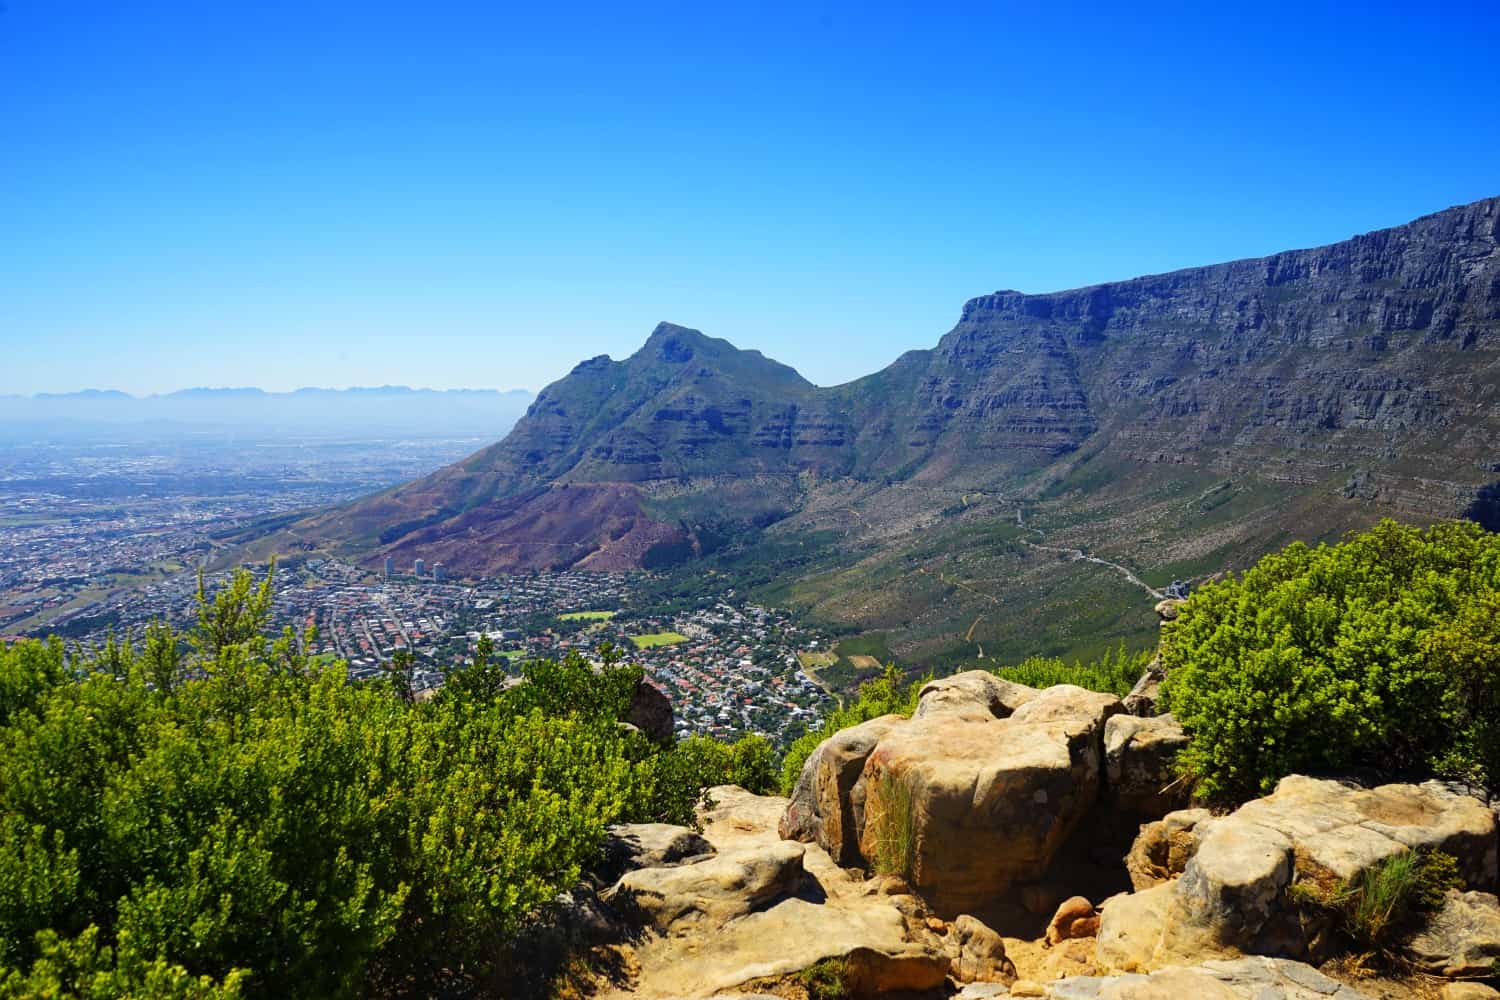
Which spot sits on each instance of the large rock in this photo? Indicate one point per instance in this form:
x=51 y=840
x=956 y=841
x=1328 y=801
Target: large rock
x=979 y=953
x=1138 y=764
x=1462 y=940
x=1344 y=829
x=714 y=890
x=966 y=804
x=974 y=693
x=1236 y=881
x=1131 y=929
x=763 y=908
x=827 y=804
x=1231 y=896
x=628 y=846
x=651 y=711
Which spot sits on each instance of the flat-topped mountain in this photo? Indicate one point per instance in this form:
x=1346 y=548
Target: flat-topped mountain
x=1175 y=423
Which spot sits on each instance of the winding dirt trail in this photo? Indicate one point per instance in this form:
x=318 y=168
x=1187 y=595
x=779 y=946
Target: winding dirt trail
x=1078 y=555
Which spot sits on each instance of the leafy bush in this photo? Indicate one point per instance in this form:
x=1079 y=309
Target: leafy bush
x=673 y=783
x=242 y=821
x=1384 y=899
x=885 y=695
x=1380 y=651
x=1114 y=673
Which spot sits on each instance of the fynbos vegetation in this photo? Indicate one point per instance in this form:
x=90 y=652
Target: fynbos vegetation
x=233 y=819
x=1379 y=651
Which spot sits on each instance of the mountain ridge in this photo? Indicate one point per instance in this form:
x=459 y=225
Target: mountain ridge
x=1338 y=382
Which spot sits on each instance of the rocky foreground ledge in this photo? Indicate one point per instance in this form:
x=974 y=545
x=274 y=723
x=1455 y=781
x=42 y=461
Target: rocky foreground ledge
x=999 y=791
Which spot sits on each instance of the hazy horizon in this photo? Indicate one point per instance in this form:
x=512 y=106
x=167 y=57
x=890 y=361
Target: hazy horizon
x=110 y=390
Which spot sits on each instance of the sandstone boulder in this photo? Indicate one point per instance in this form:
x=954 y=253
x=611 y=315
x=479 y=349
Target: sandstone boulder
x=966 y=805
x=827 y=804
x=651 y=711
x=1231 y=896
x=628 y=846
x=974 y=693
x=1132 y=929
x=1163 y=848
x=1075 y=918
x=1462 y=940
x=1236 y=881
x=1138 y=764
x=978 y=953
x=714 y=890
x=1344 y=829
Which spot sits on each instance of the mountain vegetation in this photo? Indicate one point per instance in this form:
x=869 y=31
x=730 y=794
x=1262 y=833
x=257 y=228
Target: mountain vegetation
x=1167 y=426
x=223 y=817
x=1380 y=652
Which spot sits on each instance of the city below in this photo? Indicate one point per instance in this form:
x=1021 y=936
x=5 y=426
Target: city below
x=101 y=541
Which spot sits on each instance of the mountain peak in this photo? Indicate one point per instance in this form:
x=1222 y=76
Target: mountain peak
x=675 y=344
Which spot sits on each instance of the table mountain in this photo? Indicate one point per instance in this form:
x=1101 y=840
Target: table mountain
x=1177 y=423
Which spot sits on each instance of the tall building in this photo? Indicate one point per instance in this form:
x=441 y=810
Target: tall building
x=437 y=572
x=390 y=567
x=419 y=567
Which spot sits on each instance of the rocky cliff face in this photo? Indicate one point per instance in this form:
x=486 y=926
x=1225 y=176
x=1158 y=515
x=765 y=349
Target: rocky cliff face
x=1368 y=370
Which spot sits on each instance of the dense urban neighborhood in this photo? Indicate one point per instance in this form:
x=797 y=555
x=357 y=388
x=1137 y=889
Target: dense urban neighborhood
x=730 y=668
x=98 y=539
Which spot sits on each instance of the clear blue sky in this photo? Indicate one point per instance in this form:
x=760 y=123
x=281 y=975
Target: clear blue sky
x=444 y=194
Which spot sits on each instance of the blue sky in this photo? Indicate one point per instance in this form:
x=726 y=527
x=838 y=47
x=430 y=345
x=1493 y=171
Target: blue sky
x=446 y=194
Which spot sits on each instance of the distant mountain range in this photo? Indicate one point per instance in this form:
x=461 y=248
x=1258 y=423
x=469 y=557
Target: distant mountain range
x=1173 y=425
x=384 y=410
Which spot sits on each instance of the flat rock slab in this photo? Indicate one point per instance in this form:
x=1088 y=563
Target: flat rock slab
x=715 y=890
x=1238 y=979
x=1462 y=940
x=1346 y=829
x=741 y=916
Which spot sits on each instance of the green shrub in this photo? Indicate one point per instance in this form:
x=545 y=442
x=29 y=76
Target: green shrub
x=826 y=979
x=672 y=783
x=1114 y=673
x=249 y=822
x=1380 y=651
x=1383 y=900
x=885 y=695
